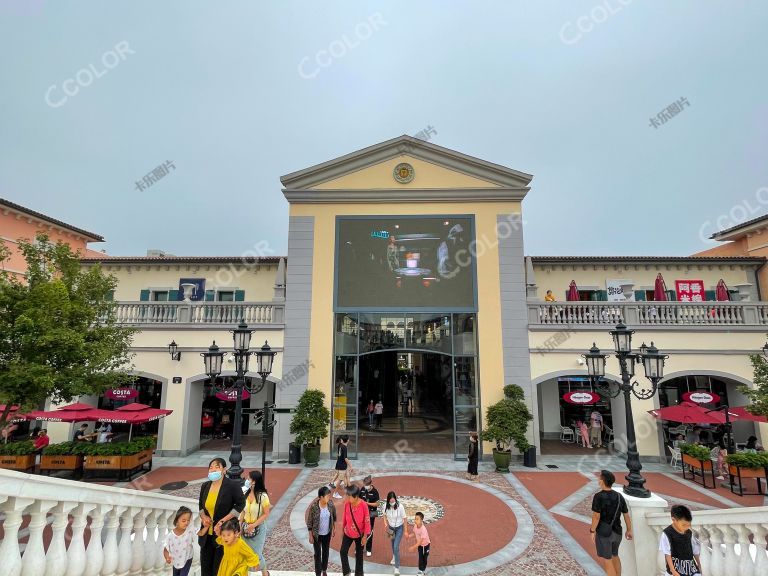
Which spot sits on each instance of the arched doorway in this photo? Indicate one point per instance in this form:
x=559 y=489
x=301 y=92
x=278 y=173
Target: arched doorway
x=557 y=420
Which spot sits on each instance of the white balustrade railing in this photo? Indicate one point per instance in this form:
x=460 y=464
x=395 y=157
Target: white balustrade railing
x=143 y=313
x=648 y=313
x=125 y=528
x=733 y=541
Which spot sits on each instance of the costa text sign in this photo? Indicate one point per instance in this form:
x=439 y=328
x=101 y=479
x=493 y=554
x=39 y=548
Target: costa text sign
x=701 y=397
x=581 y=397
x=121 y=393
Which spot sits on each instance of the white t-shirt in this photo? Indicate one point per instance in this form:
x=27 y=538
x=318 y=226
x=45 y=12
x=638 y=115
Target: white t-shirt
x=395 y=516
x=379 y=408
x=180 y=547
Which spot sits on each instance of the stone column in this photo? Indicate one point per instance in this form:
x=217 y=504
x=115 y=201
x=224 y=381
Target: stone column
x=636 y=555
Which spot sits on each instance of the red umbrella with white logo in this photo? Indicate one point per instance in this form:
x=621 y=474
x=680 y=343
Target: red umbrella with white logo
x=137 y=413
x=688 y=413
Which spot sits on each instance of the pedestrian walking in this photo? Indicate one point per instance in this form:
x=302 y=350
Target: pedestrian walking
x=422 y=542
x=357 y=529
x=379 y=411
x=596 y=429
x=254 y=516
x=343 y=465
x=472 y=457
x=321 y=524
x=370 y=412
x=221 y=500
x=680 y=547
x=238 y=558
x=397 y=527
x=607 y=507
x=178 y=546
x=371 y=496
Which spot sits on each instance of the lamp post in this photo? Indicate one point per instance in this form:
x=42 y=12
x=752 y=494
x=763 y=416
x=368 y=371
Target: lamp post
x=213 y=360
x=653 y=364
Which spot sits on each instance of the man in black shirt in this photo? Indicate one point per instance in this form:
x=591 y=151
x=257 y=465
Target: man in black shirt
x=80 y=435
x=370 y=496
x=607 y=507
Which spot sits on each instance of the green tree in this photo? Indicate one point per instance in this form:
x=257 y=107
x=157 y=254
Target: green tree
x=59 y=336
x=759 y=394
x=311 y=419
x=506 y=422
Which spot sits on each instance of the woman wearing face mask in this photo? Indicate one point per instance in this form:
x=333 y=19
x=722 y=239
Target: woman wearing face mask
x=395 y=521
x=221 y=499
x=371 y=497
x=255 y=515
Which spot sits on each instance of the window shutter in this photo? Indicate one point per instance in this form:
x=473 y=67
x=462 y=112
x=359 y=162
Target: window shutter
x=174 y=296
x=110 y=296
x=144 y=296
x=640 y=295
x=710 y=295
x=239 y=295
x=210 y=295
x=671 y=295
x=602 y=295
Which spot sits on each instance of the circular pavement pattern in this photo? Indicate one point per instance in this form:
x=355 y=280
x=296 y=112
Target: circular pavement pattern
x=432 y=510
x=499 y=527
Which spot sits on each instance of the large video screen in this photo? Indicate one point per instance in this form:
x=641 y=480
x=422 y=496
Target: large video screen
x=401 y=262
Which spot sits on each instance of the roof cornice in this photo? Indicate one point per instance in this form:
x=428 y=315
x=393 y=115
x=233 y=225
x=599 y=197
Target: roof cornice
x=405 y=195
x=7 y=205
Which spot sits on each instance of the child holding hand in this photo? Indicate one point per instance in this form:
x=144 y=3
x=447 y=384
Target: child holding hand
x=422 y=542
x=177 y=547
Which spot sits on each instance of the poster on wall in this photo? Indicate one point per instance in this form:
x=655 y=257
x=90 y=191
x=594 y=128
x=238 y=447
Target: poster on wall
x=405 y=262
x=195 y=288
x=620 y=290
x=690 y=290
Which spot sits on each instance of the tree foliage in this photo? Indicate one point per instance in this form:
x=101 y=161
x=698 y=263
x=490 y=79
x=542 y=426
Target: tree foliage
x=59 y=336
x=759 y=394
x=310 y=422
x=507 y=421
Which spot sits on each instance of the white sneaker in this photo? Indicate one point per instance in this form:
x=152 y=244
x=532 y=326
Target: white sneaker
x=419 y=573
x=392 y=562
x=397 y=572
x=367 y=553
x=337 y=495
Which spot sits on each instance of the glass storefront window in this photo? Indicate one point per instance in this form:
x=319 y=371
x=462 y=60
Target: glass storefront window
x=346 y=333
x=381 y=332
x=345 y=388
x=466 y=419
x=465 y=381
x=429 y=331
x=464 y=334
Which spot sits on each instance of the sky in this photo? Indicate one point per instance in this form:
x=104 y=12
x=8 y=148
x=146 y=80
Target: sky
x=644 y=123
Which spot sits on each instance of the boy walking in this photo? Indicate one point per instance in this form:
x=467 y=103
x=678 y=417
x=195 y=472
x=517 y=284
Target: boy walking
x=422 y=542
x=608 y=506
x=680 y=547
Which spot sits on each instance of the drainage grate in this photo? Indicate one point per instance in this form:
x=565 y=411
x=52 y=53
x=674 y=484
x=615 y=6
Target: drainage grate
x=282 y=461
x=267 y=461
x=173 y=486
x=551 y=465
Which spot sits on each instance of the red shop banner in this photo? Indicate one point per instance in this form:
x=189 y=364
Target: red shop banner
x=121 y=394
x=701 y=397
x=231 y=395
x=690 y=290
x=581 y=397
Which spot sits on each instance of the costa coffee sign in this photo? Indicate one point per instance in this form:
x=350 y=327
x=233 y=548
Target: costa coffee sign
x=701 y=397
x=231 y=395
x=581 y=397
x=121 y=394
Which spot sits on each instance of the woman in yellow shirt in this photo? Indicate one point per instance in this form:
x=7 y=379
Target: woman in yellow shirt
x=238 y=557
x=254 y=516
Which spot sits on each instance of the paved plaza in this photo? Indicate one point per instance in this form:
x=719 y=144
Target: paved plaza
x=531 y=521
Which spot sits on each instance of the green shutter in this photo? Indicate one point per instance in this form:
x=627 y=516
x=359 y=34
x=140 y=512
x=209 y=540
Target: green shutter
x=239 y=295
x=110 y=296
x=640 y=295
x=173 y=296
x=144 y=296
x=210 y=295
x=710 y=295
x=671 y=295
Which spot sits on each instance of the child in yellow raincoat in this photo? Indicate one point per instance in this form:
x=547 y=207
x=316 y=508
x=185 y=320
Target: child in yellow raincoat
x=238 y=558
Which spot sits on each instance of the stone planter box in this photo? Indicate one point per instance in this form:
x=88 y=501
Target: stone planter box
x=21 y=463
x=60 y=462
x=739 y=473
x=704 y=468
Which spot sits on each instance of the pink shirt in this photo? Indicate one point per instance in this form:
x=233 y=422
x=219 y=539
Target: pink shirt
x=362 y=518
x=422 y=536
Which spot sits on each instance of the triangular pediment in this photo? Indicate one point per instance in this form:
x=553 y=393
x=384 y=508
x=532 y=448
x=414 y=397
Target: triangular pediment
x=434 y=168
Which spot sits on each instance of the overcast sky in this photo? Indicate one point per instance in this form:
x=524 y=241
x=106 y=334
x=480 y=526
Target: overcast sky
x=236 y=94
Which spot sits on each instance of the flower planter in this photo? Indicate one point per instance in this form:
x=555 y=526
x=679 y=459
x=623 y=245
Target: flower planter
x=502 y=460
x=21 y=463
x=60 y=462
x=126 y=465
x=739 y=473
x=703 y=466
x=311 y=455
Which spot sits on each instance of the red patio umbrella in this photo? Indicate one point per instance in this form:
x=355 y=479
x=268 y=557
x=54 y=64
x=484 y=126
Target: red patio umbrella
x=721 y=292
x=742 y=413
x=688 y=413
x=660 y=288
x=137 y=413
x=573 y=292
x=77 y=412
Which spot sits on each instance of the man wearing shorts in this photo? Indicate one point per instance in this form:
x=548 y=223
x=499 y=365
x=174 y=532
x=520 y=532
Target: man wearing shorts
x=607 y=508
x=596 y=429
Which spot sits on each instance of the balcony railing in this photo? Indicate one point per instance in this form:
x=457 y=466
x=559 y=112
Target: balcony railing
x=144 y=313
x=648 y=313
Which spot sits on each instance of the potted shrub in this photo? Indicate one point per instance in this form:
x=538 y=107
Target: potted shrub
x=63 y=456
x=122 y=457
x=696 y=456
x=745 y=465
x=506 y=423
x=17 y=455
x=310 y=424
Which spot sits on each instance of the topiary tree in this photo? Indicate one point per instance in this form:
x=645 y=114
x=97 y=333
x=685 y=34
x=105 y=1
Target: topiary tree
x=507 y=421
x=311 y=419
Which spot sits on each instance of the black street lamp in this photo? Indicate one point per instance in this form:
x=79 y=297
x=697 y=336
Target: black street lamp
x=653 y=364
x=213 y=359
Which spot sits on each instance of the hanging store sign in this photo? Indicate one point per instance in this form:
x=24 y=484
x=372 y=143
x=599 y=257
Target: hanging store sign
x=121 y=394
x=690 y=290
x=582 y=397
x=701 y=397
x=231 y=395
